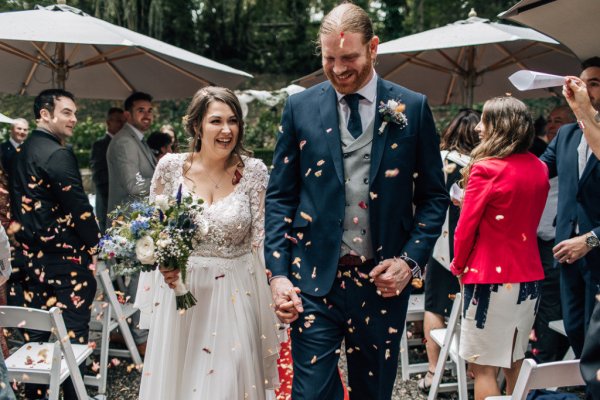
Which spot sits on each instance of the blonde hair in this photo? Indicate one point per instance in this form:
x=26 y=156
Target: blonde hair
x=508 y=130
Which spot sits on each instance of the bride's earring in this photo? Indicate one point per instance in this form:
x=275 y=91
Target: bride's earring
x=197 y=139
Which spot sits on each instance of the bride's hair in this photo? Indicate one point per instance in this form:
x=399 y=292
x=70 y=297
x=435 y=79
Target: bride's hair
x=197 y=110
x=192 y=122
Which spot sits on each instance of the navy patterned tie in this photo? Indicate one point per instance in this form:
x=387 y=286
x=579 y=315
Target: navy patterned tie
x=354 y=122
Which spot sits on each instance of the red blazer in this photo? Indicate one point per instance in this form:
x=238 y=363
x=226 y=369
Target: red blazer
x=495 y=240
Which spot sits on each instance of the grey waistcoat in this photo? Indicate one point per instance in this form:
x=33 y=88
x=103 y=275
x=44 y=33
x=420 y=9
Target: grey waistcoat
x=357 y=165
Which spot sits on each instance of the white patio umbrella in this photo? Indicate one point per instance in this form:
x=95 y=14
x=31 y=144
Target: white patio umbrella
x=467 y=61
x=62 y=46
x=573 y=23
x=5 y=119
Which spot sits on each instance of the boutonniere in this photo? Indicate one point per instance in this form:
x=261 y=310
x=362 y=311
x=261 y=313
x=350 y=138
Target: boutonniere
x=392 y=111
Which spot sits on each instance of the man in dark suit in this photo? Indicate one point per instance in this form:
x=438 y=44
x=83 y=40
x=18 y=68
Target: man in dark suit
x=115 y=120
x=342 y=237
x=577 y=250
x=18 y=134
x=58 y=227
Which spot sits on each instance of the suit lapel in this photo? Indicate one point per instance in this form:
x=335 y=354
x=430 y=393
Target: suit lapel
x=330 y=122
x=589 y=167
x=379 y=138
x=144 y=147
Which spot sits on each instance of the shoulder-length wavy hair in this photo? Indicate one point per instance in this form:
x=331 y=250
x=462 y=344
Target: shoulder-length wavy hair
x=460 y=134
x=197 y=111
x=508 y=129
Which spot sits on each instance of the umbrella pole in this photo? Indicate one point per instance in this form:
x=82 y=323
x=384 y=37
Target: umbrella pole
x=61 y=71
x=471 y=76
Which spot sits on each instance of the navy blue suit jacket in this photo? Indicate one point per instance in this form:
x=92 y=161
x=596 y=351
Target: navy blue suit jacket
x=578 y=199
x=305 y=201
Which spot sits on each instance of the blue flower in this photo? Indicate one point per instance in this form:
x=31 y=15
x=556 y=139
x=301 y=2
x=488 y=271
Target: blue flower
x=138 y=227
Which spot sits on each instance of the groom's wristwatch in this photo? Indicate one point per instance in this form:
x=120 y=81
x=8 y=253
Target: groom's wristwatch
x=592 y=241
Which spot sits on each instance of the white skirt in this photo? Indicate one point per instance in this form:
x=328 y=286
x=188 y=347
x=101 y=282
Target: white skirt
x=493 y=315
x=223 y=348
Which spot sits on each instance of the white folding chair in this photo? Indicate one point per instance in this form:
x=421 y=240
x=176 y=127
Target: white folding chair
x=45 y=363
x=415 y=312
x=101 y=321
x=117 y=317
x=449 y=340
x=542 y=376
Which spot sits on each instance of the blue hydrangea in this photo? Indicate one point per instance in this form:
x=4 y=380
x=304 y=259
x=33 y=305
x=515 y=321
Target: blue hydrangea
x=145 y=210
x=138 y=227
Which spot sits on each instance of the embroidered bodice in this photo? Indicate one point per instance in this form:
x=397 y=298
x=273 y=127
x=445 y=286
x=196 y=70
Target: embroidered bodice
x=236 y=222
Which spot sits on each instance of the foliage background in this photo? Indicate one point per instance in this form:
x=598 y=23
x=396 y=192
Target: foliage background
x=272 y=39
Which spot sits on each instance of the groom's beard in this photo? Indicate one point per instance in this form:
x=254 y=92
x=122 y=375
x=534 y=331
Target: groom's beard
x=360 y=77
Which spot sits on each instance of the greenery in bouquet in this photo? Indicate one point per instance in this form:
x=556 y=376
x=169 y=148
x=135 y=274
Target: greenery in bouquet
x=146 y=235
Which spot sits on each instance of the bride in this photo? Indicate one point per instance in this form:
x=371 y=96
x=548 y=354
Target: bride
x=225 y=347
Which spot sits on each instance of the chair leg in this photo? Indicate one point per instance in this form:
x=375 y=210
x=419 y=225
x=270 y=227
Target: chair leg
x=105 y=343
x=54 y=387
x=439 y=371
x=118 y=315
x=404 y=366
x=461 y=375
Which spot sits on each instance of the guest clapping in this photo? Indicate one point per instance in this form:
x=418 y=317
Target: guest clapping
x=495 y=247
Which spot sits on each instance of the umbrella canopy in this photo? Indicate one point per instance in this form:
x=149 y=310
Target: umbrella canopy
x=571 y=22
x=62 y=46
x=467 y=61
x=5 y=119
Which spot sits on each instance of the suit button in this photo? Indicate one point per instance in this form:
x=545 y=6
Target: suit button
x=366 y=181
x=578 y=198
x=341 y=222
x=363 y=232
x=367 y=156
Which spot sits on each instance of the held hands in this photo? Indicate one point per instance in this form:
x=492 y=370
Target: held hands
x=170 y=276
x=570 y=250
x=391 y=277
x=288 y=305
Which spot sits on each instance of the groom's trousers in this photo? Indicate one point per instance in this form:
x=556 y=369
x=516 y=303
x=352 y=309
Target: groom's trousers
x=371 y=327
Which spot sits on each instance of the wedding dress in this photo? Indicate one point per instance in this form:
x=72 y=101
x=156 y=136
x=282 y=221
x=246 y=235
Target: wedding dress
x=225 y=347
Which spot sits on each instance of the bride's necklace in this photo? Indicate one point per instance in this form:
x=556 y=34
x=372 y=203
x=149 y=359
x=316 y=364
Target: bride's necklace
x=218 y=182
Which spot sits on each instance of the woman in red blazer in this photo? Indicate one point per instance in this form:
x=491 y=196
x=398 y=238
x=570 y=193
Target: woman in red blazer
x=495 y=246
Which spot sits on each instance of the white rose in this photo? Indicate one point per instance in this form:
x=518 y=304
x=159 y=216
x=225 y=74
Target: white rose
x=162 y=202
x=144 y=250
x=392 y=104
x=202 y=228
x=163 y=243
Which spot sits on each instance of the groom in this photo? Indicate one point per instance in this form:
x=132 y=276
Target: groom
x=354 y=206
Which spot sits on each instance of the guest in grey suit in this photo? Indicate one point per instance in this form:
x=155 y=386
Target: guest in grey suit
x=130 y=160
x=115 y=120
x=130 y=168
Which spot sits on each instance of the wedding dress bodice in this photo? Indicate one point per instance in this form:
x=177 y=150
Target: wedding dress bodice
x=234 y=223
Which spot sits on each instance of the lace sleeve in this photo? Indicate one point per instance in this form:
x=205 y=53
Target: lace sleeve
x=258 y=177
x=165 y=176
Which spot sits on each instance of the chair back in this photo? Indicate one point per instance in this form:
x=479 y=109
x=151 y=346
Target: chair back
x=26 y=318
x=542 y=376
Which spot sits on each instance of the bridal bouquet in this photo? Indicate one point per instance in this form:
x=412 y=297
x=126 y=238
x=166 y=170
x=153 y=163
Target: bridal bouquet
x=145 y=236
